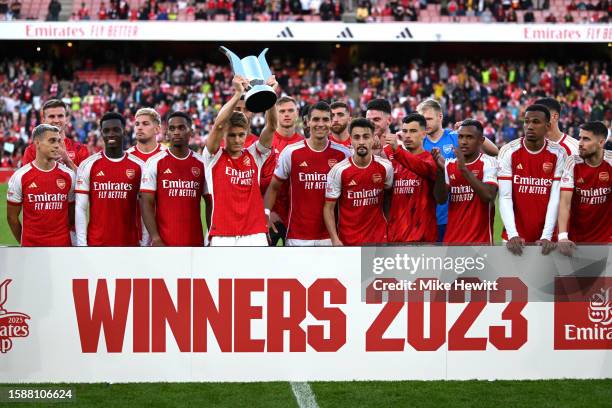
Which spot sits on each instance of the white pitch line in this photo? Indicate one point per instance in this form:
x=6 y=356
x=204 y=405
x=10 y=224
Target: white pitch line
x=303 y=394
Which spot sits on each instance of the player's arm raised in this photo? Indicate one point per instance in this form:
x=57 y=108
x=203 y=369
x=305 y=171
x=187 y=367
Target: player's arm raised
x=267 y=134
x=486 y=192
x=441 y=185
x=488 y=147
x=213 y=141
x=422 y=168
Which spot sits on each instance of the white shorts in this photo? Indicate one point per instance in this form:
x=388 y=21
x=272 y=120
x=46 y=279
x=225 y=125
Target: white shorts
x=308 y=242
x=254 y=240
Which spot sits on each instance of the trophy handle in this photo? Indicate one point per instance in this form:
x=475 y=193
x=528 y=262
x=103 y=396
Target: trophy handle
x=234 y=61
x=263 y=64
x=3 y=287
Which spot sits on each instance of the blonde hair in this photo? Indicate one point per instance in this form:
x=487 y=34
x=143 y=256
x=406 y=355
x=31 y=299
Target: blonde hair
x=429 y=104
x=152 y=113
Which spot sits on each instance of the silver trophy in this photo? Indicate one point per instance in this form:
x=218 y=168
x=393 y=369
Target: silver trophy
x=259 y=97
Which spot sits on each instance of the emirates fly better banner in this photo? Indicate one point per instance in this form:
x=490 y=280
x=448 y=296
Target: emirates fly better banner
x=262 y=314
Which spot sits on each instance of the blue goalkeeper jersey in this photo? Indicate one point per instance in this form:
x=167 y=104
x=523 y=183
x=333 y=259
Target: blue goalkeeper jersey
x=445 y=144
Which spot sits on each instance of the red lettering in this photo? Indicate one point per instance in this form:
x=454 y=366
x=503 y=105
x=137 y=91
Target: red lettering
x=512 y=313
x=477 y=303
x=374 y=334
x=101 y=315
x=141 y=317
x=206 y=312
x=437 y=319
x=243 y=314
x=334 y=315
x=163 y=311
x=278 y=323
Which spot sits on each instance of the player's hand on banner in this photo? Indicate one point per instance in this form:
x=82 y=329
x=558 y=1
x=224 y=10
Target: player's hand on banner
x=547 y=246
x=336 y=242
x=392 y=140
x=272 y=218
x=240 y=84
x=515 y=245
x=438 y=158
x=157 y=242
x=566 y=247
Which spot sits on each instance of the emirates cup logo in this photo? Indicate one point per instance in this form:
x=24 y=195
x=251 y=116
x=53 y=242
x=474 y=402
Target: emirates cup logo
x=12 y=324
x=195 y=171
x=600 y=307
x=604 y=176
x=61 y=183
x=332 y=162
x=547 y=167
x=130 y=173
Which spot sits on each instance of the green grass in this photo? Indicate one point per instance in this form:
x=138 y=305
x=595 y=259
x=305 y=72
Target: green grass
x=375 y=394
x=6 y=237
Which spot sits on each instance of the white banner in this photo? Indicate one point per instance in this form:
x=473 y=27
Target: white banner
x=299 y=31
x=264 y=314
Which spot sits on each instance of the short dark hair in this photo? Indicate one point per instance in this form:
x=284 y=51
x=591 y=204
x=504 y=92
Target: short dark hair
x=551 y=103
x=111 y=116
x=596 y=127
x=539 y=108
x=320 y=106
x=339 y=104
x=41 y=129
x=362 y=123
x=416 y=117
x=54 y=103
x=179 y=114
x=474 y=123
x=379 y=104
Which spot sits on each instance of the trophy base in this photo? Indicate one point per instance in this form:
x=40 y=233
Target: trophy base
x=260 y=98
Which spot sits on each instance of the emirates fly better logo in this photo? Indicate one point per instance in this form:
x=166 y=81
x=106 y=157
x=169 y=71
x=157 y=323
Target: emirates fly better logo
x=12 y=324
x=583 y=313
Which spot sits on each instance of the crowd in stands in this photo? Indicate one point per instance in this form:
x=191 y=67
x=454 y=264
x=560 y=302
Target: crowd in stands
x=526 y=11
x=491 y=91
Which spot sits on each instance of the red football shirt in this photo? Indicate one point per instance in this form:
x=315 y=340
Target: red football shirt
x=346 y=143
x=470 y=219
x=360 y=193
x=178 y=185
x=146 y=156
x=76 y=151
x=412 y=215
x=591 y=212
x=233 y=183
x=532 y=175
x=112 y=186
x=306 y=170
x=45 y=196
x=279 y=143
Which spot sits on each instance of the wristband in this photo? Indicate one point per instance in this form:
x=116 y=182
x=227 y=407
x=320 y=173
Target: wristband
x=267 y=211
x=562 y=235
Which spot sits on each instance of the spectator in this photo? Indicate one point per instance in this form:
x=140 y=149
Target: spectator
x=83 y=12
x=551 y=18
x=338 y=10
x=326 y=10
x=511 y=16
x=568 y=18
x=486 y=16
x=572 y=6
x=529 y=17
x=16 y=9
x=4 y=8
x=102 y=12
x=362 y=14
x=54 y=10
x=201 y=13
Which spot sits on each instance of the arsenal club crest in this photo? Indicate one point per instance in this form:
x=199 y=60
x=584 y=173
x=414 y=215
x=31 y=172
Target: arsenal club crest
x=130 y=173
x=246 y=161
x=61 y=183
x=71 y=154
x=376 y=178
x=604 y=176
x=332 y=162
x=195 y=171
x=547 y=167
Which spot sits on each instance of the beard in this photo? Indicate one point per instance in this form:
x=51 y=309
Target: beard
x=362 y=151
x=337 y=129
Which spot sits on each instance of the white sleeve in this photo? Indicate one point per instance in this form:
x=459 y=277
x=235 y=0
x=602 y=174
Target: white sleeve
x=72 y=185
x=446 y=178
x=388 y=175
x=80 y=219
x=567 y=179
x=83 y=177
x=260 y=153
x=560 y=165
x=552 y=210
x=149 y=177
x=333 y=187
x=506 y=207
x=489 y=175
x=14 y=193
x=504 y=164
x=283 y=166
